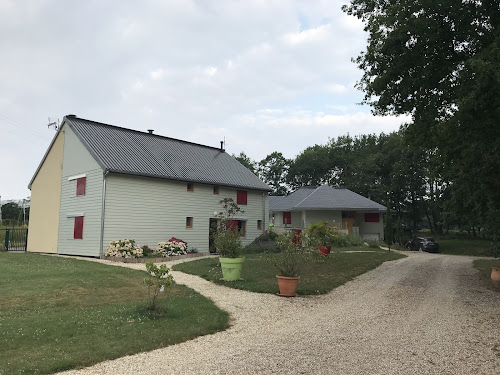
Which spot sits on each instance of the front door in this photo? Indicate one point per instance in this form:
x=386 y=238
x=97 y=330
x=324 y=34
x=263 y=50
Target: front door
x=211 y=233
x=347 y=223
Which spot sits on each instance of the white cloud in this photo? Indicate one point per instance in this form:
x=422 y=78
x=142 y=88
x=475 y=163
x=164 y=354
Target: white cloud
x=314 y=35
x=157 y=75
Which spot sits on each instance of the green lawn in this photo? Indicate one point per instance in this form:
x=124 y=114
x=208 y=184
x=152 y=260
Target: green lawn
x=484 y=268
x=475 y=247
x=318 y=277
x=61 y=313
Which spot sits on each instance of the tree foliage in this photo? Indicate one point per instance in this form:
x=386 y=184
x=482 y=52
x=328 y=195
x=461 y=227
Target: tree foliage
x=439 y=61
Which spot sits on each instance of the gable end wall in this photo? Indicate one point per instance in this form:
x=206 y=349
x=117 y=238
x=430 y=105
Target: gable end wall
x=78 y=161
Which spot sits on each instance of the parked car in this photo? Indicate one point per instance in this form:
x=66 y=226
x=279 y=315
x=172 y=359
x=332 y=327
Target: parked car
x=423 y=244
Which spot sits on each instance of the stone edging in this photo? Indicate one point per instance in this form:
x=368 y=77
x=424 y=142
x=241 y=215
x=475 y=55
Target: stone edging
x=156 y=259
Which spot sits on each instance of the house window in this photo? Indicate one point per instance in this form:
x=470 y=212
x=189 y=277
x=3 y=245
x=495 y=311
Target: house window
x=80 y=185
x=259 y=224
x=372 y=217
x=78 y=230
x=240 y=225
x=216 y=190
x=241 y=197
x=287 y=218
x=190 y=186
x=189 y=222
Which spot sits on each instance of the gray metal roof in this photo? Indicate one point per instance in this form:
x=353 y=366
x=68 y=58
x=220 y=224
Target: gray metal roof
x=129 y=151
x=323 y=198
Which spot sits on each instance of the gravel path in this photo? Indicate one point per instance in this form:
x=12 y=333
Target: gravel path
x=425 y=314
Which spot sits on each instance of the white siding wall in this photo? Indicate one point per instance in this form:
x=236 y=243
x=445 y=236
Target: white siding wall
x=77 y=160
x=153 y=210
x=369 y=231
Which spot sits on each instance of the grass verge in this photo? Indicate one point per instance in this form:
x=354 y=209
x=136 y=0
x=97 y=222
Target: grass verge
x=61 y=313
x=317 y=277
x=484 y=268
x=474 y=247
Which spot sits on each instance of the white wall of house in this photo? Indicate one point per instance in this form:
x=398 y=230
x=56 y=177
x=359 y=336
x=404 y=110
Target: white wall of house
x=370 y=231
x=302 y=219
x=153 y=210
x=77 y=161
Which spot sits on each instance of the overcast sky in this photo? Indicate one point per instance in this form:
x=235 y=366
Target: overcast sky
x=265 y=75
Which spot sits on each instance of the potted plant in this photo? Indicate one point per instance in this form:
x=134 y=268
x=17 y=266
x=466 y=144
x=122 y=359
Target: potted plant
x=321 y=235
x=293 y=254
x=228 y=242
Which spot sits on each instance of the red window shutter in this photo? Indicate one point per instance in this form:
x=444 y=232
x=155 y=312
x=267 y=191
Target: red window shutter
x=372 y=217
x=241 y=197
x=78 y=232
x=287 y=218
x=80 y=185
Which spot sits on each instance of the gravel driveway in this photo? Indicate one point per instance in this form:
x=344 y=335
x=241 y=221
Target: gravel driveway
x=425 y=314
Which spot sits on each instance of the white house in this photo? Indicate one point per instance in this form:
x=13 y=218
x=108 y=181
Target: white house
x=345 y=209
x=98 y=183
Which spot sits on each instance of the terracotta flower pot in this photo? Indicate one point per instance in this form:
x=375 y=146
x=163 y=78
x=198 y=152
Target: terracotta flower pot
x=495 y=277
x=325 y=250
x=287 y=285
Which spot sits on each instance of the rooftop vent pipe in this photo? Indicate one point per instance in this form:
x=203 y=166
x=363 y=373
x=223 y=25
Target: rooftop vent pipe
x=150 y=131
x=222 y=146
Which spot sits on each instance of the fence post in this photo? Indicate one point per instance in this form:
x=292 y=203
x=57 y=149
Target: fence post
x=26 y=241
x=7 y=239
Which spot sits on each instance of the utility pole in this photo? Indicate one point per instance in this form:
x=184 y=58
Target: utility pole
x=0 y=209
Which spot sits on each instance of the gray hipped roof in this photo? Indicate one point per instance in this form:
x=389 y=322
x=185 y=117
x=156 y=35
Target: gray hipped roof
x=323 y=198
x=129 y=151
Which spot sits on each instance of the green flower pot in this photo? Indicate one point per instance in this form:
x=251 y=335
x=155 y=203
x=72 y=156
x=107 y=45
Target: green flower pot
x=231 y=268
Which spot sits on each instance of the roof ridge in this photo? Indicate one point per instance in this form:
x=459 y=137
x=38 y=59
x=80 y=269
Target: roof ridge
x=140 y=132
x=308 y=195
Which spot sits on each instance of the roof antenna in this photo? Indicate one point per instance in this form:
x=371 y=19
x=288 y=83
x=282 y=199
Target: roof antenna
x=54 y=123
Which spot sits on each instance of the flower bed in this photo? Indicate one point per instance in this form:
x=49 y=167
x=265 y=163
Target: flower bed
x=128 y=251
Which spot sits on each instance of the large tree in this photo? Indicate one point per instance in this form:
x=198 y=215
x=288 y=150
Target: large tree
x=439 y=61
x=273 y=171
x=246 y=161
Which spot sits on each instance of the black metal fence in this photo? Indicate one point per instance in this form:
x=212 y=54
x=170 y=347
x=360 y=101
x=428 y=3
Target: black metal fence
x=13 y=239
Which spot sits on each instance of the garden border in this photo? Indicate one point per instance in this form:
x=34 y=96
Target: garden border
x=154 y=259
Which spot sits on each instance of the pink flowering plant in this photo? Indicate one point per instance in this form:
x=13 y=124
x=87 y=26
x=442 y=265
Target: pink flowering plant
x=149 y=251
x=124 y=248
x=172 y=247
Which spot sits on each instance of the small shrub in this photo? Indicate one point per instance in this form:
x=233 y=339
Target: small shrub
x=227 y=239
x=228 y=243
x=172 y=247
x=346 y=240
x=158 y=281
x=148 y=251
x=293 y=255
x=374 y=244
x=263 y=244
x=123 y=248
